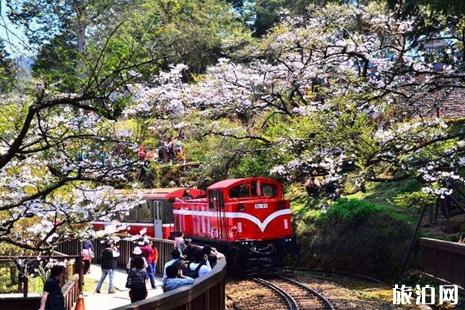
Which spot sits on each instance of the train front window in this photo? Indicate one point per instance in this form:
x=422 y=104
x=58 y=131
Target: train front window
x=254 y=189
x=268 y=190
x=240 y=191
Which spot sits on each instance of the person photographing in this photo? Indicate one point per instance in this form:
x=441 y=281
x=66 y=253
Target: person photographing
x=52 y=297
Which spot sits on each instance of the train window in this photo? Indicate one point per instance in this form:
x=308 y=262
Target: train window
x=212 y=200
x=254 y=189
x=144 y=213
x=132 y=217
x=269 y=190
x=240 y=191
x=215 y=199
x=166 y=211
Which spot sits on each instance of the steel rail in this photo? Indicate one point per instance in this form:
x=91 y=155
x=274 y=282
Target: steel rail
x=322 y=298
x=288 y=299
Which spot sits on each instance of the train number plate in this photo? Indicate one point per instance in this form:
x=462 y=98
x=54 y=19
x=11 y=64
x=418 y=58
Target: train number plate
x=261 y=205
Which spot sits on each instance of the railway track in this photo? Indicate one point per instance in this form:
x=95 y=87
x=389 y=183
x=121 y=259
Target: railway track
x=296 y=295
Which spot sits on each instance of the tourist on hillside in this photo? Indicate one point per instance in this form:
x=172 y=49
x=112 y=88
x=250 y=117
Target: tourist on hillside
x=147 y=253
x=141 y=153
x=175 y=278
x=178 y=151
x=154 y=259
x=87 y=254
x=108 y=264
x=170 y=146
x=137 y=278
x=136 y=253
x=200 y=266
x=175 y=256
x=52 y=298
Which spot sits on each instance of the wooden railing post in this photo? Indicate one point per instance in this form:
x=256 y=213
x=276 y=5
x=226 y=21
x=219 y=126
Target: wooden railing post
x=78 y=269
x=25 y=285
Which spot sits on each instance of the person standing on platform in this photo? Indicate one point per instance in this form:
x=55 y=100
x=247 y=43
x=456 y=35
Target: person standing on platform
x=179 y=243
x=108 y=263
x=147 y=252
x=136 y=280
x=52 y=298
x=154 y=258
x=87 y=254
x=136 y=254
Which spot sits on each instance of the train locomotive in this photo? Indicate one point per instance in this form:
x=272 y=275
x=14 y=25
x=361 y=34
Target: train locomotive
x=246 y=219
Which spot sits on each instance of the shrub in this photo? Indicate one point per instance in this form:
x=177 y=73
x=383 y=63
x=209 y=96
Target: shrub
x=358 y=237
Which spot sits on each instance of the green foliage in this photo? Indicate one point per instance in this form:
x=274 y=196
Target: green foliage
x=7 y=70
x=354 y=211
x=255 y=164
x=414 y=199
x=58 y=62
x=186 y=31
x=358 y=237
x=268 y=12
x=384 y=193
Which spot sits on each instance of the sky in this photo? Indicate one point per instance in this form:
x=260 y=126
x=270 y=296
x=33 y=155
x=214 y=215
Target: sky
x=14 y=38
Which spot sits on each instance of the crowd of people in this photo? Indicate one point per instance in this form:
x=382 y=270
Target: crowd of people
x=188 y=262
x=169 y=150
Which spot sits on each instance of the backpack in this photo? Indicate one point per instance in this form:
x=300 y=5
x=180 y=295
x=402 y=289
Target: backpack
x=193 y=273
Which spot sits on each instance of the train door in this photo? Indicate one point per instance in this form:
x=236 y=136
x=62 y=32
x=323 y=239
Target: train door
x=157 y=219
x=217 y=201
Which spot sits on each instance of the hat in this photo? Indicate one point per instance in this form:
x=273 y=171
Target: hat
x=137 y=251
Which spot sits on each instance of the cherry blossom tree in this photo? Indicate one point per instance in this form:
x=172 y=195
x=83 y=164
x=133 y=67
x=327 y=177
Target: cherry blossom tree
x=343 y=94
x=63 y=154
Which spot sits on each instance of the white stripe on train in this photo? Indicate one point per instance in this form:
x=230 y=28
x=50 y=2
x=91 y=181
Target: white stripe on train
x=235 y=215
x=130 y=224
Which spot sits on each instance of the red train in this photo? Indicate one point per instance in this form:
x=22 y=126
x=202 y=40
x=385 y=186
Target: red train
x=247 y=219
x=155 y=216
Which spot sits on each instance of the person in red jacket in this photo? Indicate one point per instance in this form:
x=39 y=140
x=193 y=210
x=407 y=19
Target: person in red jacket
x=147 y=252
x=154 y=258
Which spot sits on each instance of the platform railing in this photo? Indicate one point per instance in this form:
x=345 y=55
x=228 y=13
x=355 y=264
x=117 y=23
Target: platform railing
x=207 y=292
x=71 y=289
x=125 y=247
x=71 y=292
x=444 y=260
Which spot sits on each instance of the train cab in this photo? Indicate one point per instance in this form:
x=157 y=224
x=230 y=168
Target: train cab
x=250 y=209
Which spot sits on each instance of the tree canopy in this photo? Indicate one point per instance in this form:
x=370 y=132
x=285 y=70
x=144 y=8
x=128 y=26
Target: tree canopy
x=342 y=92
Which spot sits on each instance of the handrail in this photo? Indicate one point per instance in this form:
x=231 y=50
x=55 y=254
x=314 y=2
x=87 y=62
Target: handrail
x=71 y=292
x=207 y=292
x=69 y=285
x=443 y=245
x=443 y=260
x=31 y=259
x=12 y=258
